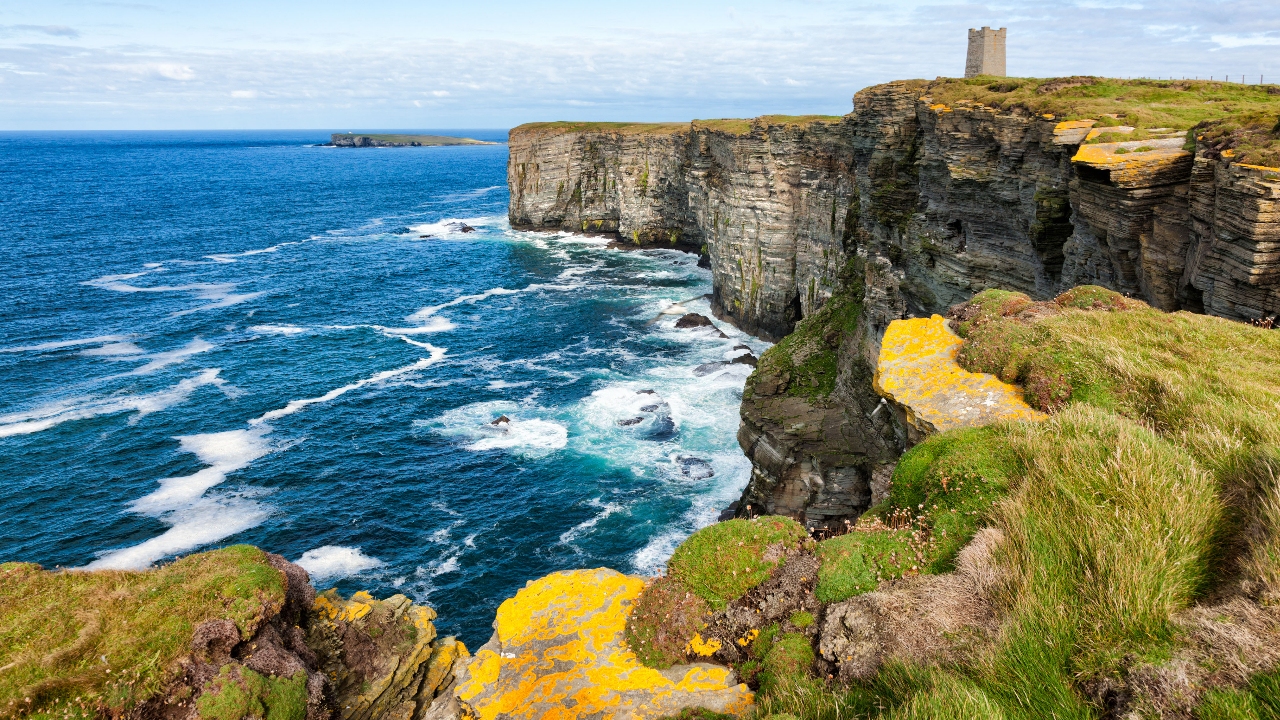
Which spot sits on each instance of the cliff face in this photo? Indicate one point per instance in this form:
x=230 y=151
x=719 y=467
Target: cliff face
x=767 y=201
x=927 y=203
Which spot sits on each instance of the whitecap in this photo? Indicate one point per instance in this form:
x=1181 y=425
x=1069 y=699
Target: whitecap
x=165 y=359
x=207 y=521
x=115 y=350
x=531 y=436
x=219 y=294
x=53 y=414
x=59 y=344
x=606 y=509
x=293 y=406
x=231 y=257
x=426 y=312
x=224 y=453
x=329 y=562
x=277 y=329
x=504 y=384
x=448 y=565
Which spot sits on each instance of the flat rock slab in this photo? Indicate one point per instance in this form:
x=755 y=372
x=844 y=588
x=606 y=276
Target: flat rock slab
x=917 y=370
x=558 y=652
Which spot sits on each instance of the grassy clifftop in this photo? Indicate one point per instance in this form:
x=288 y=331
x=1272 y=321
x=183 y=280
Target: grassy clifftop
x=80 y=644
x=1121 y=558
x=731 y=126
x=1244 y=119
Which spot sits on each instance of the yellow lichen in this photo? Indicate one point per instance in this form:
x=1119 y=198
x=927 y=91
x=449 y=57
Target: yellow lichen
x=560 y=653
x=917 y=369
x=325 y=606
x=355 y=610
x=702 y=648
x=749 y=638
x=940 y=107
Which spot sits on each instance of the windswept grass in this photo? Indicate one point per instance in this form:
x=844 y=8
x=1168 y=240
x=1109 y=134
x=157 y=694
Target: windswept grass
x=1142 y=104
x=79 y=644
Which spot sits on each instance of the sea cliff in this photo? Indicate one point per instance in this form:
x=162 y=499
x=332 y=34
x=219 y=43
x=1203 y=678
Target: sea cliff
x=924 y=195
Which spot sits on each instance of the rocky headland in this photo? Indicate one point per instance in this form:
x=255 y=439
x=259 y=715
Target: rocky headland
x=399 y=140
x=1016 y=451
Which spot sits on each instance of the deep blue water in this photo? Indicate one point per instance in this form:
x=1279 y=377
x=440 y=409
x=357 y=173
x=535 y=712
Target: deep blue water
x=215 y=337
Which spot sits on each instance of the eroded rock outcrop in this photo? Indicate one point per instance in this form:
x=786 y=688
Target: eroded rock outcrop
x=918 y=372
x=382 y=658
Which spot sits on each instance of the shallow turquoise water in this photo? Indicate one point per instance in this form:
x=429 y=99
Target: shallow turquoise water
x=212 y=338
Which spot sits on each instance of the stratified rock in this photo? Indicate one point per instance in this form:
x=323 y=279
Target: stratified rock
x=381 y=656
x=558 y=651
x=918 y=371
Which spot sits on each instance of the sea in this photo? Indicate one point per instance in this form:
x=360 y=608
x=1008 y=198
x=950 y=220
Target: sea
x=347 y=357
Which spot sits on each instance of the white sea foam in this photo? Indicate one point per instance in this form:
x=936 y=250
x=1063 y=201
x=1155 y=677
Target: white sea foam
x=448 y=565
x=422 y=315
x=606 y=509
x=115 y=350
x=531 y=436
x=53 y=414
x=504 y=384
x=224 y=453
x=165 y=359
x=59 y=344
x=219 y=295
x=277 y=329
x=231 y=257
x=336 y=561
x=208 y=520
x=293 y=406
x=450 y=226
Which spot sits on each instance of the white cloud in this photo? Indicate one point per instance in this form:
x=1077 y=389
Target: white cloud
x=173 y=71
x=809 y=61
x=1238 y=41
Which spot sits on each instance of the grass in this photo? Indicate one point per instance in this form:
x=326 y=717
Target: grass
x=1259 y=701
x=734 y=126
x=242 y=693
x=722 y=562
x=1141 y=104
x=943 y=492
x=805 y=360
x=1127 y=506
x=1244 y=119
x=90 y=644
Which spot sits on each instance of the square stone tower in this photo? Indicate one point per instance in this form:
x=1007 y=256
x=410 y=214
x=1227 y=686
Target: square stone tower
x=986 y=52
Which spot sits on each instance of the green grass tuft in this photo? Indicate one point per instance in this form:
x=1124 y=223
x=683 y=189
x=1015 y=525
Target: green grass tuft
x=241 y=693
x=722 y=562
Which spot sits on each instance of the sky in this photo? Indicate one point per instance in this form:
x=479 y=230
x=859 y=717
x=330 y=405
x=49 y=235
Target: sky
x=394 y=64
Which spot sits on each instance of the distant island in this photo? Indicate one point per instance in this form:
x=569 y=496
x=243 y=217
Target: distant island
x=376 y=140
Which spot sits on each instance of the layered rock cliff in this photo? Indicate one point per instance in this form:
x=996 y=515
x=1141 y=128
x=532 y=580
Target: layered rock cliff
x=926 y=194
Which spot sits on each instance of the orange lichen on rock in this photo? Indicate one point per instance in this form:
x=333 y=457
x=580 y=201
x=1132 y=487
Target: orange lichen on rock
x=1072 y=132
x=558 y=651
x=1138 y=163
x=917 y=369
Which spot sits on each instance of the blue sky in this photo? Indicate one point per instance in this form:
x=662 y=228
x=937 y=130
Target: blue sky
x=157 y=64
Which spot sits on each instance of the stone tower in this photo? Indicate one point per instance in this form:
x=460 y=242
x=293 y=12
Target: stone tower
x=986 y=52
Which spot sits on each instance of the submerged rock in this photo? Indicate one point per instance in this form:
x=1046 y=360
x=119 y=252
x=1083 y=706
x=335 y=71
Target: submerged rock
x=706 y=369
x=695 y=468
x=558 y=651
